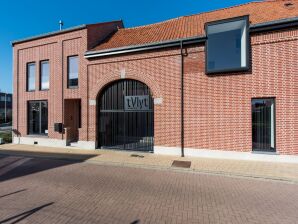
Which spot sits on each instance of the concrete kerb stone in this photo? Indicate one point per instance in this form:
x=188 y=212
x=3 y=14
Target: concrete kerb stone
x=123 y=159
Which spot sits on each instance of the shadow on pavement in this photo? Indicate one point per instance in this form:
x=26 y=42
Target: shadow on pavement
x=50 y=155
x=5 y=195
x=24 y=215
x=33 y=162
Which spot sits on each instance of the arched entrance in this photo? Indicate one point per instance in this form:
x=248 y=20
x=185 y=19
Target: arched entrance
x=125 y=116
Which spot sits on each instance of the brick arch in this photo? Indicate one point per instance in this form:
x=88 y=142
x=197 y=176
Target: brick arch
x=129 y=74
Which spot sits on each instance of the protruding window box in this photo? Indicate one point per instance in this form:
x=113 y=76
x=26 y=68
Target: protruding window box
x=227 y=47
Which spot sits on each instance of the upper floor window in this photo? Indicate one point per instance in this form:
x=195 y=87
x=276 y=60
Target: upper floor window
x=73 y=71
x=30 y=76
x=44 y=75
x=227 y=45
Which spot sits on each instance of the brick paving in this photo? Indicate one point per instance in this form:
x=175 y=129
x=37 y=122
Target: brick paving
x=268 y=170
x=58 y=191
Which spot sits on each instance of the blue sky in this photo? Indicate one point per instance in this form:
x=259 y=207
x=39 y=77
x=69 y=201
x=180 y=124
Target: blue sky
x=20 y=19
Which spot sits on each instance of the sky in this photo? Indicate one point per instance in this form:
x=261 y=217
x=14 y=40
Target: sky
x=20 y=19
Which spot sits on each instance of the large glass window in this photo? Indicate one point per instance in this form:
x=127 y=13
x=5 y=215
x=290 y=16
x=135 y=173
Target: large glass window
x=44 y=75
x=38 y=117
x=227 y=45
x=73 y=71
x=263 y=124
x=30 y=76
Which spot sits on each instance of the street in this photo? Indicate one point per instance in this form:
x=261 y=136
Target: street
x=52 y=191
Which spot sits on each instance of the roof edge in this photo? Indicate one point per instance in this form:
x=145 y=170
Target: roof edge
x=260 y=27
x=274 y=25
x=49 y=34
x=142 y=47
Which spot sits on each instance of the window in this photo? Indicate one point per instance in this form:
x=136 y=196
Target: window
x=30 y=76
x=263 y=124
x=73 y=71
x=44 y=75
x=227 y=45
x=2 y=98
x=38 y=117
x=8 y=99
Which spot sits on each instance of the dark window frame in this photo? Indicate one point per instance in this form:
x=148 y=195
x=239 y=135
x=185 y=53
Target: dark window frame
x=274 y=111
x=40 y=74
x=248 y=45
x=68 y=86
x=27 y=76
x=28 y=120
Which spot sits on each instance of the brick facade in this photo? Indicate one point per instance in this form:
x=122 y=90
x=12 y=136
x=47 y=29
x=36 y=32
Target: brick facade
x=217 y=107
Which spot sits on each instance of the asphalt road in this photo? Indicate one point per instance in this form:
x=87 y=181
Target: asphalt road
x=56 y=191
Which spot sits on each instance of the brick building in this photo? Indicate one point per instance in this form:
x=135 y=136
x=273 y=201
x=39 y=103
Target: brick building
x=5 y=108
x=215 y=82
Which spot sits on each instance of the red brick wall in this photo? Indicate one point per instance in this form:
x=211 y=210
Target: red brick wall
x=55 y=49
x=217 y=107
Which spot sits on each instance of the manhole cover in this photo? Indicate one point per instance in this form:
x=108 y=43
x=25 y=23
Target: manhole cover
x=182 y=164
x=136 y=155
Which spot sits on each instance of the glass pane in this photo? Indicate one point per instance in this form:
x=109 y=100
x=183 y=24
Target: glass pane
x=37 y=117
x=73 y=70
x=31 y=77
x=44 y=117
x=45 y=74
x=34 y=118
x=226 y=46
x=263 y=133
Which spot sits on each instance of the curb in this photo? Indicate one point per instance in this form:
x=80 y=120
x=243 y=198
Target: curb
x=151 y=167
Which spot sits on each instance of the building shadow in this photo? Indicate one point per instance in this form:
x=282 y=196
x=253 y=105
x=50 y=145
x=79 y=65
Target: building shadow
x=37 y=162
x=19 y=217
x=5 y=195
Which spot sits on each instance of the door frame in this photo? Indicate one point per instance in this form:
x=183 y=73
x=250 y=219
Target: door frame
x=274 y=151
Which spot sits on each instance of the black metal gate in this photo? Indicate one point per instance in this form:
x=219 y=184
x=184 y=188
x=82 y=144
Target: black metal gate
x=126 y=119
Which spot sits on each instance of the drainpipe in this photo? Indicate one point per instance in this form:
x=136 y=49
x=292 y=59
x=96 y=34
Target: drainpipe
x=182 y=99
x=62 y=92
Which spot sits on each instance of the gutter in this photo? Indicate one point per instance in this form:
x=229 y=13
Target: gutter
x=145 y=47
x=49 y=34
x=274 y=25
x=255 y=28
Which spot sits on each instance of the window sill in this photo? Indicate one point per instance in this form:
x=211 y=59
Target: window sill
x=234 y=70
x=37 y=136
x=72 y=87
x=264 y=152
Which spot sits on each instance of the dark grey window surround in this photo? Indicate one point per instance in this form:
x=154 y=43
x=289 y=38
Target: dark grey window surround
x=37 y=117
x=72 y=69
x=263 y=124
x=220 y=53
x=30 y=78
x=44 y=75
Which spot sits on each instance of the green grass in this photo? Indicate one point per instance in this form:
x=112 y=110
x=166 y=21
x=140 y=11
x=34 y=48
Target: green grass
x=6 y=136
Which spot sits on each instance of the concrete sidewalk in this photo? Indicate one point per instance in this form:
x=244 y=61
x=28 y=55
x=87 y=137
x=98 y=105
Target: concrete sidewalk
x=241 y=168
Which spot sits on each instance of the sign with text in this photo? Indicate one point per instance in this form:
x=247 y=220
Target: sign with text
x=136 y=102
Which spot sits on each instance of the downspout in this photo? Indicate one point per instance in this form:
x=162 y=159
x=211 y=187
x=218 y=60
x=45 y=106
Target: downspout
x=62 y=92
x=17 y=98
x=182 y=98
